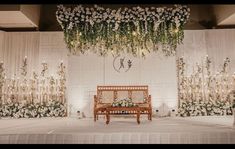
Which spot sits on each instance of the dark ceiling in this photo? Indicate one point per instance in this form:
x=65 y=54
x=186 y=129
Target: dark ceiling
x=48 y=20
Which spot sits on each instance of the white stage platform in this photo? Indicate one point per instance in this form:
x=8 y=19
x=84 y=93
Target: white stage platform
x=122 y=130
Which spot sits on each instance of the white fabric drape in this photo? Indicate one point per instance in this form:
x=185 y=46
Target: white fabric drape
x=217 y=44
x=220 y=44
x=121 y=138
x=37 y=46
x=1 y=45
x=17 y=45
x=50 y=47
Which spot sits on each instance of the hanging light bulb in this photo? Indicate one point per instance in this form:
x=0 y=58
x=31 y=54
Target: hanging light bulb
x=134 y=33
x=138 y=32
x=176 y=30
x=71 y=42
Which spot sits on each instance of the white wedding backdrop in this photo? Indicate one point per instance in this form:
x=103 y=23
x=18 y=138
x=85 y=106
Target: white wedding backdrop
x=85 y=72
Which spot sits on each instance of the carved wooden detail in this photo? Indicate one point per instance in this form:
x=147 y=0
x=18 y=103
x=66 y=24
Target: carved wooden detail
x=101 y=108
x=130 y=94
x=115 y=95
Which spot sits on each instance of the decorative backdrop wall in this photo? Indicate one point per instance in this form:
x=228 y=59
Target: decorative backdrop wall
x=31 y=87
x=206 y=73
x=85 y=72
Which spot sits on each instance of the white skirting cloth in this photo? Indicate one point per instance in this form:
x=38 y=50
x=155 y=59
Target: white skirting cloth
x=202 y=130
x=120 y=138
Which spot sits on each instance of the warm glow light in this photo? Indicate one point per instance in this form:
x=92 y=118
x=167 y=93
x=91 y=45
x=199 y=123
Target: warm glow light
x=176 y=30
x=32 y=90
x=134 y=33
x=207 y=90
x=98 y=31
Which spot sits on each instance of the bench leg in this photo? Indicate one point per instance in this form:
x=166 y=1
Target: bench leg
x=94 y=117
x=107 y=117
x=150 y=116
x=138 y=117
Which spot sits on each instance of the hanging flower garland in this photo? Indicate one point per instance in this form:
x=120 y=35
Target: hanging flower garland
x=135 y=30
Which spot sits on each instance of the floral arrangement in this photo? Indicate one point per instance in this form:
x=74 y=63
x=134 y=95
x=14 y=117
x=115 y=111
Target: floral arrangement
x=44 y=68
x=232 y=98
x=62 y=81
x=135 y=30
x=201 y=92
x=33 y=110
x=24 y=67
x=39 y=96
x=2 y=79
x=204 y=108
x=123 y=103
x=234 y=104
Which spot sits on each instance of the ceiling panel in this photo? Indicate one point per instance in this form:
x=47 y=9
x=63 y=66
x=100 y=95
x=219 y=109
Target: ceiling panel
x=13 y=19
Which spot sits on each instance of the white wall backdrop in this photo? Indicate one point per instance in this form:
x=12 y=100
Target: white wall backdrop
x=85 y=72
x=88 y=71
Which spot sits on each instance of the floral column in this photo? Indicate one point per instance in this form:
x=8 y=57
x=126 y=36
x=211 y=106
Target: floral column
x=2 y=77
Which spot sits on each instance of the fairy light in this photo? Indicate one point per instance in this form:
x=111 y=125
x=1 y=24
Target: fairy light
x=121 y=34
x=206 y=91
x=41 y=90
x=134 y=33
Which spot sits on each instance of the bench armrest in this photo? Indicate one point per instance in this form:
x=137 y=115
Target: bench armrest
x=150 y=101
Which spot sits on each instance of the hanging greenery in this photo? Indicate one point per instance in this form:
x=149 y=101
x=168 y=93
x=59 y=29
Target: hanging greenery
x=135 y=30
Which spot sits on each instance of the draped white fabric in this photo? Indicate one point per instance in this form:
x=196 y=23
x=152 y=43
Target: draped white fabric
x=38 y=47
x=15 y=47
x=120 y=138
x=217 y=44
x=1 y=44
x=43 y=46
x=50 y=47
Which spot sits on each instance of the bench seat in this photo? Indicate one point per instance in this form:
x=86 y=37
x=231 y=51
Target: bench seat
x=106 y=95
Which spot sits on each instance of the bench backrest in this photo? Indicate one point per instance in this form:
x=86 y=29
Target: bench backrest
x=108 y=94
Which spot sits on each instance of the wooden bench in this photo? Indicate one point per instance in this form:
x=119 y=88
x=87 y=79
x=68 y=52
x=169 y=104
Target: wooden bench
x=106 y=95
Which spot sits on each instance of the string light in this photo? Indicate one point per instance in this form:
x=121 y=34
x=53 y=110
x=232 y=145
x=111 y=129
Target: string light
x=199 y=92
x=84 y=32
